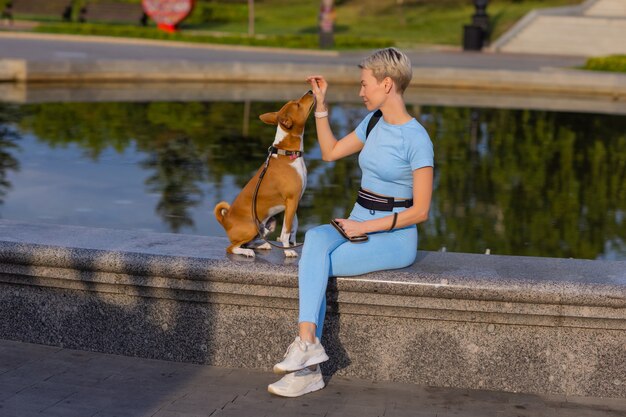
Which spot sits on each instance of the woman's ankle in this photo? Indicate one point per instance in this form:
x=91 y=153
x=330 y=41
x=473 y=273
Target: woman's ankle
x=307 y=338
x=307 y=332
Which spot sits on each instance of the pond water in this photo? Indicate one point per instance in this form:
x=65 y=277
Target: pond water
x=518 y=182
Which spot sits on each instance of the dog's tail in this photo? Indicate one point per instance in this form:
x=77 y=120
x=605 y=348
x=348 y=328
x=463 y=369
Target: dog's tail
x=220 y=210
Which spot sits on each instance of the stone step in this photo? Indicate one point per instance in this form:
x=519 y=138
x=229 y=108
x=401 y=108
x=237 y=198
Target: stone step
x=570 y=35
x=38 y=380
x=607 y=8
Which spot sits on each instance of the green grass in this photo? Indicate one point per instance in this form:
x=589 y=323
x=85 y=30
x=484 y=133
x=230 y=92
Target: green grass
x=306 y=41
x=613 y=63
x=359 y=23
x=409 y=24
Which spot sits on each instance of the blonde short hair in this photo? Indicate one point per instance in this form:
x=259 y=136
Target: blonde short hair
x=392 y=63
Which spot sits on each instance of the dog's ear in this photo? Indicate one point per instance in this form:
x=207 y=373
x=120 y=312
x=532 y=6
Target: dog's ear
x=269 y=118
x=285 y=121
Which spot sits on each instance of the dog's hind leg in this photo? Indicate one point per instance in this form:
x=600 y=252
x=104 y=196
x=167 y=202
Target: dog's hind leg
x=268 y=227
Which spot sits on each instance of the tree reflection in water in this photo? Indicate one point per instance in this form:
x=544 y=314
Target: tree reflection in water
x=542 y=184
x=9 y=138
x=514 y=181
x=177 y=173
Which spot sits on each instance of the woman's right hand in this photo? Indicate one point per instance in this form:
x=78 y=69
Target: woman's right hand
x=319 y=87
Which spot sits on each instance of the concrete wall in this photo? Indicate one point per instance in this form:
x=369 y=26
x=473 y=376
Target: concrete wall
x=22 y=93
x=144 y=73
x=536 y=325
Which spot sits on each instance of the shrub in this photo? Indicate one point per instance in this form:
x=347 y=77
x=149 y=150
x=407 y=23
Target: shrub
x=217 y=13
x=613 y=63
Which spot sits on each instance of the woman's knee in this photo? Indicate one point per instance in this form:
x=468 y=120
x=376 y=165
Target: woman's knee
x=319 y=233
x=407 y=258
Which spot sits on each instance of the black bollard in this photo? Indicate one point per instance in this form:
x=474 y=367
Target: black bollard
x=476 y=34
x=472 y=38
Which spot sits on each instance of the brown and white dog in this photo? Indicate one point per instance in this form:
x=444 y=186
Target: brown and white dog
x=281 y=188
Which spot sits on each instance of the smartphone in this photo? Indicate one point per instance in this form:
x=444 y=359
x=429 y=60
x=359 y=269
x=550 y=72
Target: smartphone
x=354 y=239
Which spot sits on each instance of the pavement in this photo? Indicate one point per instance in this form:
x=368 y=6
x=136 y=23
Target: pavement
x=42 y=47
x=32 y=57
x=37 y=380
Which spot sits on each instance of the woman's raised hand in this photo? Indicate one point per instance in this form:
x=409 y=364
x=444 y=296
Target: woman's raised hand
x=319 y=87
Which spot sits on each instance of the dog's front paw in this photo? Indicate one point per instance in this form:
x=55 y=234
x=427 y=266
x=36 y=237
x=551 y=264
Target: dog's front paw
x=245 y=252
x=265 y=246
x=290 y=253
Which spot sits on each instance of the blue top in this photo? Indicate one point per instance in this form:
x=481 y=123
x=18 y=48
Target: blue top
x=391 y=154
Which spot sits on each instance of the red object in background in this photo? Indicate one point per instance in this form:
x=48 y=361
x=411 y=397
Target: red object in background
x=168 y=13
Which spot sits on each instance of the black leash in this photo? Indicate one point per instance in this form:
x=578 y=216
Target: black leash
x=292 y=154
x=270 y=151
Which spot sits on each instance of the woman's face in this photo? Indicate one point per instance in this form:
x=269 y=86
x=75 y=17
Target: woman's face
x=372 y=92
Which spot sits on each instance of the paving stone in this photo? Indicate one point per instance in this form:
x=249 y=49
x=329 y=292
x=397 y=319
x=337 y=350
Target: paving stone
x=370 y=395
x=410 y=413
x=257 y=400
x=289 y=413
x=587 y=413
x=12 y=360
x=75 y=356
x=175 y=414
x=27 y=349
x=19 y=413
x=618 y=404
x=35 y=370
x=67 y=383
x=12 y=387
x=200 y=403
x=356 y=410
x=69 y=411
x=315 y=402
x=87 y=398
x=244 y=413
x=38 y=397
x=250 y=379
x=128 y=412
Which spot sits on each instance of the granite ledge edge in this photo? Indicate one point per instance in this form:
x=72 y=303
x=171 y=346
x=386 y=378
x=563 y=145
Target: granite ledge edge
x=408 y=281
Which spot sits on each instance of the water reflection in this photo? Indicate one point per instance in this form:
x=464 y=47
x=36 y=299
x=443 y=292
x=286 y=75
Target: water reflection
x=513 y=181
x=9 y=138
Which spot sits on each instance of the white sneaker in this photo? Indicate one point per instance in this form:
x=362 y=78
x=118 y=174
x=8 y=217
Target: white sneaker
x=301 y=354
x=298 y=383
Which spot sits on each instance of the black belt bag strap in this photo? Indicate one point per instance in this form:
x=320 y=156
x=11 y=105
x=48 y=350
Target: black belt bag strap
x=376 y=202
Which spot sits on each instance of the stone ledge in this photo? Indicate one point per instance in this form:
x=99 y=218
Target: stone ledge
x=547 y=81
x=193 y=258
x=35 y=93
x=577 y=308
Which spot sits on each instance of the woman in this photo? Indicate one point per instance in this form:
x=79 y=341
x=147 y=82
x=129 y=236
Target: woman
x=396 y=159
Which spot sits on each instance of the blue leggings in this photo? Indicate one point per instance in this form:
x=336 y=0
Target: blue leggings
x=326 y=253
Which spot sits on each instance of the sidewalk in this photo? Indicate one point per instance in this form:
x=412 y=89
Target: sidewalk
x=37 y=380
x=46 y=47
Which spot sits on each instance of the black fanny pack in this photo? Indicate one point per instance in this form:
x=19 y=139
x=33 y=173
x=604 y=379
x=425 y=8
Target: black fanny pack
x=373 y=201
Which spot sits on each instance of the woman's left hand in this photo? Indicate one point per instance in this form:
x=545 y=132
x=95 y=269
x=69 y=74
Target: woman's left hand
x=351 y=227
